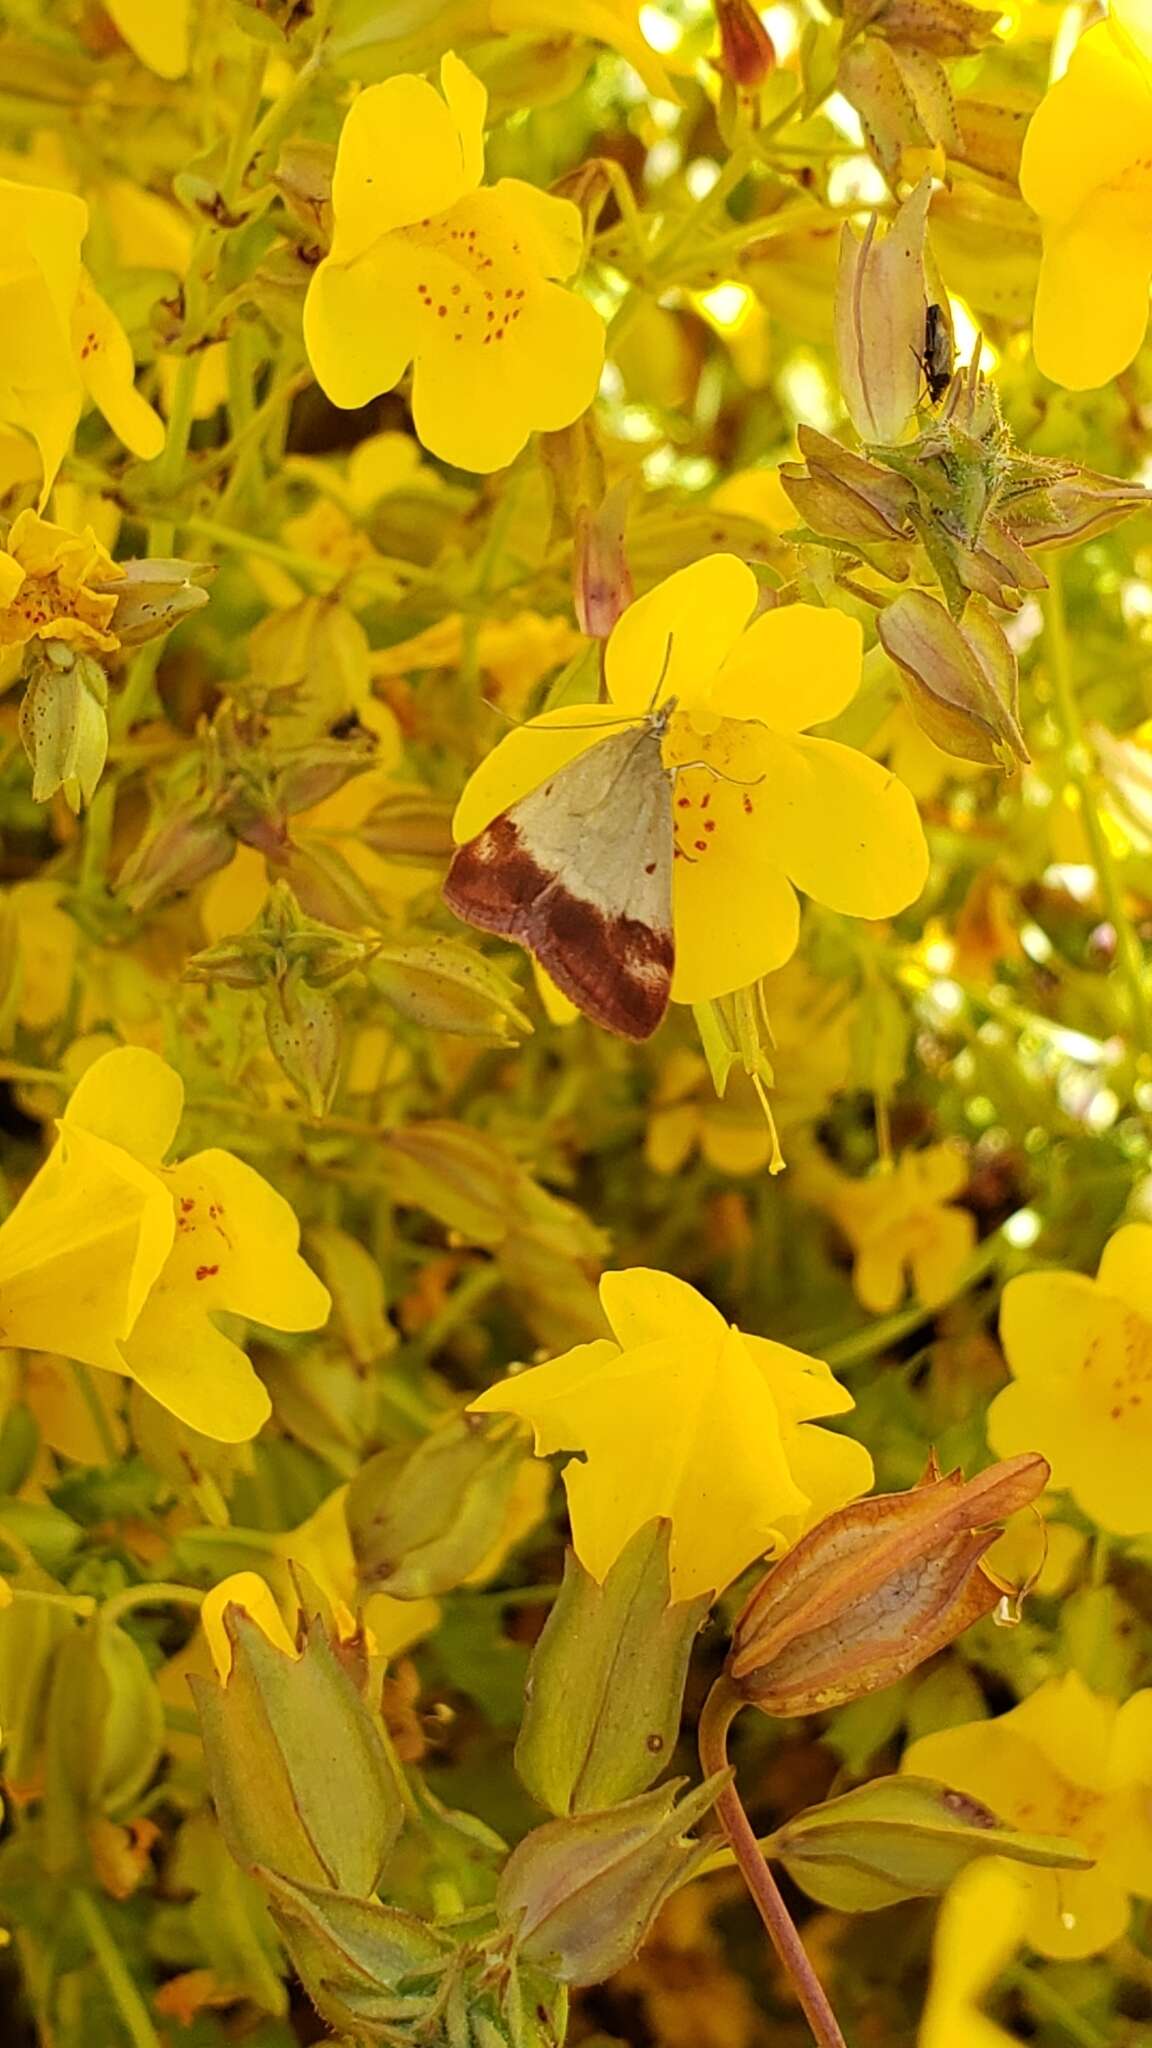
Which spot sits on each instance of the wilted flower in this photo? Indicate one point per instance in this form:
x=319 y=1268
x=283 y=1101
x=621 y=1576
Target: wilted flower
x=1067 y=1761
x=874 y=1589
x=1080 y=1354
x=428 y=267
x=685 y=1416
x=61 y=344
x=116 y=1260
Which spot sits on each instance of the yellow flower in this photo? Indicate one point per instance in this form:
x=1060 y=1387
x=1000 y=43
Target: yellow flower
x=760 y=805
x=1064 y=1762
x=428 y=267
x=685 y=1416
x=156 y=31
x=59 y=342
x=733 y=1136
x=118 y=1261
x=1080 y=1355
x=899 y=1226
x=615 y=22
x=1094 y=198
x=46 y=593
x=979 y=1928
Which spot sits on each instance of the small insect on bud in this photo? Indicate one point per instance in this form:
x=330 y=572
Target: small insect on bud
x=876 y=1588
x=747 y=52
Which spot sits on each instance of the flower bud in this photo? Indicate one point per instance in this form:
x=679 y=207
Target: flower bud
x=602 y=582
x=747 y=52
x=580 y=1894
x=303 y=178
x=1076 y=506
x=369 y=1969
x=179 y=849
x=63 y=726
x=901 y=1838
x=32 y=1628
x=962 y=685
x=422 y=1519
x=409 y=824
x=152 y=596
x=309 y=774
x=876 y=1588
x=606 y=1681
x=297 y=1765
x=104 y=1735
x=881 y=309
x=845 y=496
x=446 y=986
x=304 y=1035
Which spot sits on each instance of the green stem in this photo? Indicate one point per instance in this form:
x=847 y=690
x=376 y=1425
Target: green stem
x=97 y=839
x=121 y=1985
x=1082 y=770
x=97 y=1412
x=1049 y=2004
x=720 y=1710
x=678 y=232
x=240 y=148
x=232 y=537
x=157 y=1594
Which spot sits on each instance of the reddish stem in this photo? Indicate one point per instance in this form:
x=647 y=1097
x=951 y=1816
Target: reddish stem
x=720 y=1710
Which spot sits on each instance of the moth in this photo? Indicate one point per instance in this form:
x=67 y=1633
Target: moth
x=580 y=873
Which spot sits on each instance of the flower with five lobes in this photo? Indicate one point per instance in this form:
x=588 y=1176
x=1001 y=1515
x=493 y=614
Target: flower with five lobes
x=59 y=343
x=1094 y=198
x=1065 y=1762
x=54 y=586
x=681 y=1414
x=429 y=267
x=900 y=1222
x=1080 y=1355
x=761 y=808
x=116 y=1260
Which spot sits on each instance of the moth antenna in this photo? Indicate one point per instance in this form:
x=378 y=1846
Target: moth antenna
x=664 y=667
x=737 y=781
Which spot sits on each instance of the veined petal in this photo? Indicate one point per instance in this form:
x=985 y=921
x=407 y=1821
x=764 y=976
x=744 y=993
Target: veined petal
x=1126 y=1267
x=678 y=636
x=843 y=828
x=199 y=1375
x=360 y=323
x=1092 y=297
x=40 y=388
x=108 y=370
x=527 y=757
x=1104 y=100
x=129 y=1097
x=400 y=159
x=643 y=1305
x=81 y=1251
x=796 y=666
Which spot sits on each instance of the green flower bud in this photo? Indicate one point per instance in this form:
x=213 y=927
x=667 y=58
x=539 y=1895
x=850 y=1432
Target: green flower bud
x=178 y=850
x=297 y=1765
x=304 y=1035
x=410 y=824
x=63 y=725
x=901 y=1838
x=579 y=1895
x=421 y=1520
x=104 y=1735
x=962 y=685
x=444 y=985
x=606 y=1681
x=369 y=1969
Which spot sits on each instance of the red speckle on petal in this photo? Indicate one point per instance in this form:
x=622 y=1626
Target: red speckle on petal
x=206 y=1272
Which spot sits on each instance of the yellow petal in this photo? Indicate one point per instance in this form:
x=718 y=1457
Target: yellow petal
x=1105 y=100
x=1126 y=1267
x=937 y=1265
x=643 y=1305
x=1133 y=19
x=399 y=160
x=42 y=232
x=156 y=31
x=108 y=370
x=468 y=103
x=735 y=914
x=878 y=1274
x=526 y=758
x=672 y=642
x=11 y=577
x=844 y=829
x=981 y=1923
x=249 y=1591
x=199 y=1375
x=238 y=1243
x=394 y=1625
x=606 y=21
x=1072 y=1726
x=130 y=1097
x=1092 y=297
x=360 y=323
x=40 y=389
x=1048 y=1324
x=549 y=230
x=796 y=666
x=671 y=1136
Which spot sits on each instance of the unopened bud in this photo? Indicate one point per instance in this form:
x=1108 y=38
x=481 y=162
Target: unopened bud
x=63 y=726
x=304 y=1036
x=876 y=1588
x=104 y=1736
x=602 y=582
x=152 y=596
x=297 y=1765
x=371 y=1970
x=1076 y=507
x=309 y=774
x=303 y=178
x=747 y=52
x=961 y=676
x=177 y=851
x=844 y=496
x=422 y=1520
x=446 y=986
x=410 y=824
x=580 y=1894
x=881 y=309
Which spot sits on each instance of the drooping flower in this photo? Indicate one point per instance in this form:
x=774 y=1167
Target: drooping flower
x=47 y=576
x=429 y=267
x=681 y=1414
x=980 y=1926
x=1094 y=200
x=1065 y=1762
x=901 y=1224
x=116 y=1260
x=60 y=344
x=1080 y=1355
x=761 y=807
